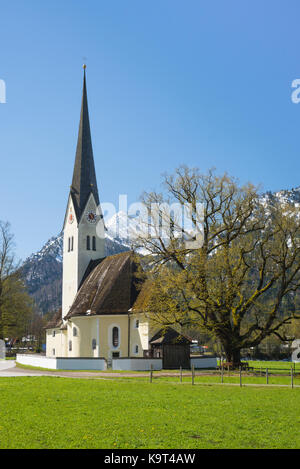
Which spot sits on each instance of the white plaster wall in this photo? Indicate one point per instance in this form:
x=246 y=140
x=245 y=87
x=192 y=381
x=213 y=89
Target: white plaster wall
x=136 y=364
x=62 y=363
x=133 y=364
x=100 y=329
x=89 y=229
x=70 y=261
x=81 y=364
x=75 y=262
x=139 y=336
x=59 y=343
x=36 y=360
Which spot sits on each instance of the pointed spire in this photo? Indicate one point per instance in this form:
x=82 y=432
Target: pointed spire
x=84 y=176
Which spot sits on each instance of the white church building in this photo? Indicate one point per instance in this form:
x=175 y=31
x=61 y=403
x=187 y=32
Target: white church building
x=102 y=322
x=98 y=292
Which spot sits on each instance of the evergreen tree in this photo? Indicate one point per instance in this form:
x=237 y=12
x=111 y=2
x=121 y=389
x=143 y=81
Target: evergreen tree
x=16 y=306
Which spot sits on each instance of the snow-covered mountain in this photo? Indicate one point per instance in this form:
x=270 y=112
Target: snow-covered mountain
x=284 y=196
x=122 y=228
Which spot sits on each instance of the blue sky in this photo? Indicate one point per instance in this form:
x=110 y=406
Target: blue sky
x=204 y=83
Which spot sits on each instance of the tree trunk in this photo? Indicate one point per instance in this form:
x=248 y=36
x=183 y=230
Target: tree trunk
x=232 y=355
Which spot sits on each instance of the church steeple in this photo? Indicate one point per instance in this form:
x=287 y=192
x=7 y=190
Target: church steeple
x=84 y=241
x=84 y=177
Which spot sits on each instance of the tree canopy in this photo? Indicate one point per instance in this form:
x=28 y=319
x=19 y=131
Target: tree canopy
x=236 y=274
x=16 y=306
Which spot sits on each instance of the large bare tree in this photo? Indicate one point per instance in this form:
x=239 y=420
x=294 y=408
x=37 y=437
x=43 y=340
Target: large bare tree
x=235 y=276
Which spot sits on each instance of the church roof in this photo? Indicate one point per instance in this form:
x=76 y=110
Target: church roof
x=84 y=176
x=141 y=303
x=109 y=288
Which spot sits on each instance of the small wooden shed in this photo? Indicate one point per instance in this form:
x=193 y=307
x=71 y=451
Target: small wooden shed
x=172 y=347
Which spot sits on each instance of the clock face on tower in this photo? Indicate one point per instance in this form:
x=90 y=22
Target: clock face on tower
x=91 y=217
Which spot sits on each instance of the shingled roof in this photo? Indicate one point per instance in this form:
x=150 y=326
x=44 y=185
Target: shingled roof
x=169 y=336
x=110 y=288
x=141 y=303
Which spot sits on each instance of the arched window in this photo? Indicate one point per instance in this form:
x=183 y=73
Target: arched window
x=94 y=243
x=88 y=243
x=94 y=344
x=69 y=244
x=74 y=332
x=115 y=336
x=70 y=345
x=72 y=243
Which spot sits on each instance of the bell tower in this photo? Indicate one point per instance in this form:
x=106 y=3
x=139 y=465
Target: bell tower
x=84 y=229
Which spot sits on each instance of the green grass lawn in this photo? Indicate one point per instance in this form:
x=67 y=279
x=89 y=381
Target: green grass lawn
x=279 y=366
x=48 y=412
x=233 y=378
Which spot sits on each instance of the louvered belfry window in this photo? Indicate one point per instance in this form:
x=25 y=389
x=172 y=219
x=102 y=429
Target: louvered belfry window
x=88 y=243
x=115 y=336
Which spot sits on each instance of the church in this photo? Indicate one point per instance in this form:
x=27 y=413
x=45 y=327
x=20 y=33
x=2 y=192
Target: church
x=99 y=292
x=103 y=321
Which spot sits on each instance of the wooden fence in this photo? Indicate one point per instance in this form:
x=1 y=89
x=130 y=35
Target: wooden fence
x=241 y=375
